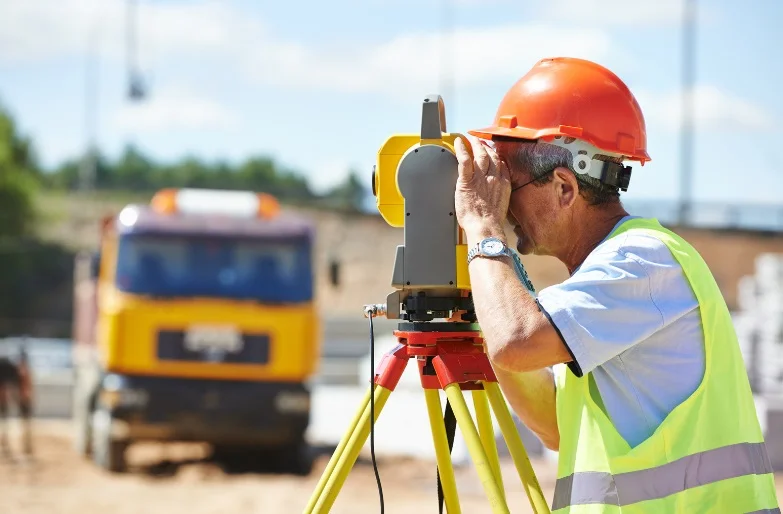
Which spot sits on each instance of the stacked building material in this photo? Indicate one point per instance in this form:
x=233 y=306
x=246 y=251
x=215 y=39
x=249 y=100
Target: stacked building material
x=759 y=324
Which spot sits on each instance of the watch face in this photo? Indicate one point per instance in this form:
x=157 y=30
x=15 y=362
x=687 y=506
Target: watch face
x=492 y=247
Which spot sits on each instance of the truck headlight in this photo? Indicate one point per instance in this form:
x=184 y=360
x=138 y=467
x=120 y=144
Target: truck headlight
x=117 y=392
x=288 y=401
x=123 y=398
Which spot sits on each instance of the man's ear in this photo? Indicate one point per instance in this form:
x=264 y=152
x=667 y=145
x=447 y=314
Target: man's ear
x=566 y=187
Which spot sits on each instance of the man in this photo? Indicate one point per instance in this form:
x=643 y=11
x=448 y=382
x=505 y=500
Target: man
x=630 y=368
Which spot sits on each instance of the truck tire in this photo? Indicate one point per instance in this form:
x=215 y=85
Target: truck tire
x=295 y=458
x=107 y=453
x=301 y=459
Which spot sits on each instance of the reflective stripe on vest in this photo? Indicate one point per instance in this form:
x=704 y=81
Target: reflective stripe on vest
x=695 y=470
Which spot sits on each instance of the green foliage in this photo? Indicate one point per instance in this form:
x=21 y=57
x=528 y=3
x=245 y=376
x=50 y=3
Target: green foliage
x=16 y=151
x=36 y=284
x=349 y=195
x=133 y=171
x=18 y=181
x=17 y=208
x=32 y=272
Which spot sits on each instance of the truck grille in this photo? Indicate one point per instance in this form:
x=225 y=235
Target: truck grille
x=253 y=350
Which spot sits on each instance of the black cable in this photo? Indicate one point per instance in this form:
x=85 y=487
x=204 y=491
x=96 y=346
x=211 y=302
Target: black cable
x=372 y=410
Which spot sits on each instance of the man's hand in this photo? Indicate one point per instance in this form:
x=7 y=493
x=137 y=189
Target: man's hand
x=483 y=191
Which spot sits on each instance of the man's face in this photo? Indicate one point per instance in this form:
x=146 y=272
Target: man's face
x=532 y=209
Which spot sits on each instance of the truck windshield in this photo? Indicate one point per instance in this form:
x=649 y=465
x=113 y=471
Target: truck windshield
x=219 y=267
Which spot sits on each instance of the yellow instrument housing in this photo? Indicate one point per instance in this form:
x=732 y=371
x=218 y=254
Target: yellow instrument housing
x=389 y=199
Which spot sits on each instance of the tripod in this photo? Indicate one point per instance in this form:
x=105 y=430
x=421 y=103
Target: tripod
x=450 y=356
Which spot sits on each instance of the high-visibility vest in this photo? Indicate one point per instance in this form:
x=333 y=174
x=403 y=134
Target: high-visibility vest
x=707 y=456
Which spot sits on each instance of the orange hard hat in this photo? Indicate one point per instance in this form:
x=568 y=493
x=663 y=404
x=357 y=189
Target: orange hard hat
x=571 y=97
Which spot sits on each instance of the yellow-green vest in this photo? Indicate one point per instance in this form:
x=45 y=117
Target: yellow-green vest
x=707 y=456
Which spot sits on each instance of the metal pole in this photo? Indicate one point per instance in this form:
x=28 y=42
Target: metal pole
x=87 y=170
x=687 y=128
x=130 y=43
x=446 y=58
x=136 y=89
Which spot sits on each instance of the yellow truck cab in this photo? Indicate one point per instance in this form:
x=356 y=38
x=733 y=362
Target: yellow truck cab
x=195 y=321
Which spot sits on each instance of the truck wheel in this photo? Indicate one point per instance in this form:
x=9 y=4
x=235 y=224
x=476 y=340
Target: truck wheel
x=299 y=458
x=107 y=453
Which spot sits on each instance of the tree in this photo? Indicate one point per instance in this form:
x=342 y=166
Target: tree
x=350 y=195
x=134 y=171
x=31 y=269
x=17 y=181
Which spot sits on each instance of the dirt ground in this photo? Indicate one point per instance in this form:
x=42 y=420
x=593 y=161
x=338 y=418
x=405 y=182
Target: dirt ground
x=181 y=479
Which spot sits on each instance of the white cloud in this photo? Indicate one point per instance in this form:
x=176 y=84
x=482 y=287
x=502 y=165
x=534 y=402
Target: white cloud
x=174 y=109
x=410 y=63
x=407 y=65
x=713 y=109
x=615 y=12
x=39 y=29
x=42 y=28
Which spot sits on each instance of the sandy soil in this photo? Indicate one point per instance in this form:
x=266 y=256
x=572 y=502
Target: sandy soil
x=181 y=479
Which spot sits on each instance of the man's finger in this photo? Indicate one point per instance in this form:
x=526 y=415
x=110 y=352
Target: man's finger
x=465 y=167
x=481 y=160
x=496 y=163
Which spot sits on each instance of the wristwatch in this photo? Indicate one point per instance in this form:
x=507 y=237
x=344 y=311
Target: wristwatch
x=489 y=247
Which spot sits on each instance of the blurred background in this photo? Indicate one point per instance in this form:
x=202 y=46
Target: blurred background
x=105 y=103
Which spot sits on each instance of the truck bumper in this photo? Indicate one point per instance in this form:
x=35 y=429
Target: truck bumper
x=213 y=411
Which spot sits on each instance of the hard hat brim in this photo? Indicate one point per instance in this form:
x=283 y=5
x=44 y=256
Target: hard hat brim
x=516 y=133
x=528 y=134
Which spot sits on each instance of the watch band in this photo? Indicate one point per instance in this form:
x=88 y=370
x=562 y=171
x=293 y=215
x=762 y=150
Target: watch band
x=519 y=268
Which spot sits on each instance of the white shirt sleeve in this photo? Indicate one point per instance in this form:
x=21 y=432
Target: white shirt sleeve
x=605 y=307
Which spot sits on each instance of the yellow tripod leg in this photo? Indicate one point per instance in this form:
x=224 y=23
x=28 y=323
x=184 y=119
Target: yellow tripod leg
x=365 y=406
x=348 y=457
x=442 y=454
x=516 y=448
x=487 y=434
x=476 y=450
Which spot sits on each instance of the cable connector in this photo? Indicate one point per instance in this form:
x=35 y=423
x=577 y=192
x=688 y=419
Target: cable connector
x=375 y=310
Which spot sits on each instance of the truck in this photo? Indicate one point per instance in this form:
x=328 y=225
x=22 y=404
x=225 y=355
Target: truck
x=195 y=320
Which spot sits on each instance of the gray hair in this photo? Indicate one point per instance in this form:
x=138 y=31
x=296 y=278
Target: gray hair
x=540 y=159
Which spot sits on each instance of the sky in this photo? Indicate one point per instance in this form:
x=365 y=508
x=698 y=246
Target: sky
x=319 y=86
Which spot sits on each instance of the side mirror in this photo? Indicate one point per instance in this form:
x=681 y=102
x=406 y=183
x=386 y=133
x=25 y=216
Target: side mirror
x=334 y=272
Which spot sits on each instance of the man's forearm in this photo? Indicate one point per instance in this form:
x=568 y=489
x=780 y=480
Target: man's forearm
x=509 y=316
x=532 y=397
x=501 y=301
